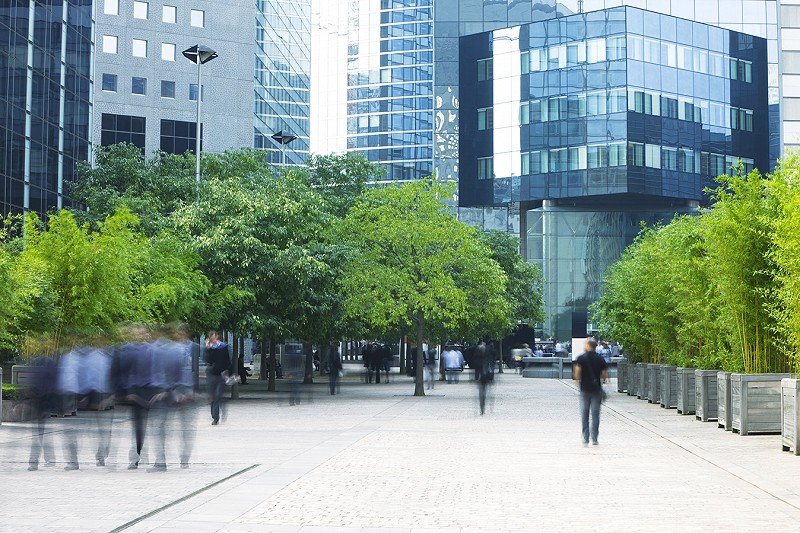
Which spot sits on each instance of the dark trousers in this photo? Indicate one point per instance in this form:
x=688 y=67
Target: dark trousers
x=216 y=384
x=41 y=443
x=590 y=404
x=483 y=385
x=333 y=381
x=139 y=421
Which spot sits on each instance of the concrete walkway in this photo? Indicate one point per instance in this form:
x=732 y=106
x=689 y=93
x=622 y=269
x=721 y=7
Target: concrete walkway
x=377 y=459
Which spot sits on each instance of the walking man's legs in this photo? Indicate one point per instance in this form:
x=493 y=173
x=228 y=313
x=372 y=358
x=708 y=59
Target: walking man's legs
x=215 y=385
x=585 y=403
x=595 y=409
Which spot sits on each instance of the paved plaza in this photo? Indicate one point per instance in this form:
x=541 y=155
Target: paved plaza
x=376 y=458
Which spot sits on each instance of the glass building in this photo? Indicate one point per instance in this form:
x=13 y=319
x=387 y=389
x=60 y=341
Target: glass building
x=595 y=122
x=45 y=100
x=282 y=77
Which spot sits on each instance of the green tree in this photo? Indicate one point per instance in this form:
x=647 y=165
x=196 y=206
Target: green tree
x=338 y=179
x=416 y=266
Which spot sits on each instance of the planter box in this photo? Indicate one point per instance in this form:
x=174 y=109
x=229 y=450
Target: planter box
x=642 y=383
x=724 y=400
x=622 y=376
x=654 y=383
x=17 y=411
x=705 y=389
x=790 y=415
x=686 y=393
x=756 y=403
x=669 y=387
x=633 y=379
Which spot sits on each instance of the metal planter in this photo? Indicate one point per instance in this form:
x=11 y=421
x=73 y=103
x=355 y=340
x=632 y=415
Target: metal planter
x=642 y=383
x=669 y=387
x=756 y=403
x=686 y=393
x=724 y=400
x=705 y=387
x=622 y=376
x=790 y=415
x=654 y=380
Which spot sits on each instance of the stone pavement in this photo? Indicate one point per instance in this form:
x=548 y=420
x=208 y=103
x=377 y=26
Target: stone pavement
x=377 y=459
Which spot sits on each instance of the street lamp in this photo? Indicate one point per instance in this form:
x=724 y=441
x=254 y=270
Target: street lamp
x=284 y=138
x=200 y=55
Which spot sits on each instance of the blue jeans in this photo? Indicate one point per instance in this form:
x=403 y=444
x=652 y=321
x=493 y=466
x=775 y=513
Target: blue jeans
x=590 y=402
x=216 y=384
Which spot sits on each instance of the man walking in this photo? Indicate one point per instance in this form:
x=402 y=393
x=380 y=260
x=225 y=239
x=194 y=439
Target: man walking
x=590 y=368
x=218 y=360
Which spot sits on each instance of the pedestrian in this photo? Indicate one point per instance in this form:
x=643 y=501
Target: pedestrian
x=218 y=359
x=334 y=368
x=43 y=389
x=590 y=369
x=387 y=359
x=430 y=367
x=453 y=363
x=244 y=372
x=484 y=371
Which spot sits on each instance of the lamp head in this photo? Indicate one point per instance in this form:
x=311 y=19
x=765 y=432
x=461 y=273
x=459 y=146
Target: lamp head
x=200 y=54
x=284 y=137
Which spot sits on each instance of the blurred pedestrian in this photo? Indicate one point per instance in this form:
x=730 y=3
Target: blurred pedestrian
x=44 y=392
x=590 y=369
x=430 y=367
x=484 y=371
x=244 y=372
x=334 y=368
x=453 y=363
x=218 y=359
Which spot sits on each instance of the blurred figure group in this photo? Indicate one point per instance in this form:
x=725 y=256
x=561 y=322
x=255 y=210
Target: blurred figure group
x=377 y=357
x=150 y=374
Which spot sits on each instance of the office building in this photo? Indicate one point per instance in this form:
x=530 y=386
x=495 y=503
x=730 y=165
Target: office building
x=595 y=122
x=45 y=100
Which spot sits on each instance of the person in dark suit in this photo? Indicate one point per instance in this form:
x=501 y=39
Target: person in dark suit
x=334 y=368
x=218 y=359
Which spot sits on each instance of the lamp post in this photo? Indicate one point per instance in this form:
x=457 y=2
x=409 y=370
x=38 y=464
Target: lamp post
x=199 y=55
x=284 y=138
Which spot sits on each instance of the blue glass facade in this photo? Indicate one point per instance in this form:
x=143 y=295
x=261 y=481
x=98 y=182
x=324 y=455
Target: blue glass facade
x=595 y=123
x=45 y=100
x=283 y=77
x=614 y=102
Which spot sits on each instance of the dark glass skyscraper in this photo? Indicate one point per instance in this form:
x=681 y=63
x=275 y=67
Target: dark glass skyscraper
x=596 y=122
x=45 y=100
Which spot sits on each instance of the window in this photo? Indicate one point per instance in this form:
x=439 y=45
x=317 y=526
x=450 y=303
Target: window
x=111 y=7
x=596 y=103
x=525 y=163
x=538 y=59
x=524 y=113
x=596 y=52
x=746 y=117
x=485 y=69
x=138 y=85
x=635 y=47
x=485 y=168
x=734 y=68
x=167 y=89
x=525 y=62
x=178 y=137
x=139 y=48
x=652 y=51
x=577 y=158
x=685 y=58
x=576 y=106
x=701 y=61
x=167 y=52
x=485 y=119
x=193 y=92
x=688 y=161
x=669 y=107
x=140 y=10
x=597 y=156
x=557 y=57
x=716 y=64
x=617 y=100
x=636 y=154
x=540 y=162
x=669 y=158
x=197 y=18
x=110 y=44
x=616 y=155
x=110 y=82
x=556 y=108
x=122 y=128
x=558 y=160
x=669 y=55
x=169 y=14
x=576 y=52
x=615 y=48
x=745 y=73
x=652 y=155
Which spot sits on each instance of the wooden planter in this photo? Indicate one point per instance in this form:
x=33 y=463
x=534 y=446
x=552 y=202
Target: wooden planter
x=654 y=383
x=686 y=393
x=622 y=376
x=790 y=415
x=669 y=387
x=705 y=388
x=633 y=379
x=756 y=403
x=641 y=381
x=724 y=400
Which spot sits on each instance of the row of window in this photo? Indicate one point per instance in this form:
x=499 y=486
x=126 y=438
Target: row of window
x=138 y=48
x=139 y=86
x=177 y=136
x=169 y=14
x=595 y=103
x=638 y=48
x=620 y=154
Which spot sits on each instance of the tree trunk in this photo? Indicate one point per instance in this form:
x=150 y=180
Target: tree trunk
x=263 y=371
x=308 y=371
x=403 y=343
x=272 y=365
x=234 y=370
x=419 y=386
x=500 y=344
